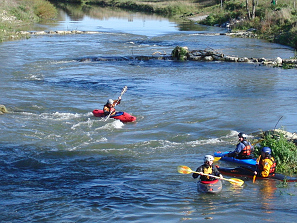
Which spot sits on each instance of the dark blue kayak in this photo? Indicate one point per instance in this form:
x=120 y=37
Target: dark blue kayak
x=251 y=162
x=213 y=187
x=248 y=171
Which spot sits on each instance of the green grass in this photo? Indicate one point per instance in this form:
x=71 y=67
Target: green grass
x=16 y=15
x=283 y=151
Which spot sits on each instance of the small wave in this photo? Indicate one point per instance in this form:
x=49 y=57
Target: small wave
x=116 y=124
x=62 y=61
x=88 y=123
x=35 y=77
x=205 y=142
x=60 y=116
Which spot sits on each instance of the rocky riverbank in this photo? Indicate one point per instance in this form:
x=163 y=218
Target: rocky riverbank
x=183 y=53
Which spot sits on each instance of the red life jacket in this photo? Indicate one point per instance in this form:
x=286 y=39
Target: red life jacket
x=247 y=150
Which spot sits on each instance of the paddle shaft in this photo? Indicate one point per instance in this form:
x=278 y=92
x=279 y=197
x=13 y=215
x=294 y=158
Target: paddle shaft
x=214 y=176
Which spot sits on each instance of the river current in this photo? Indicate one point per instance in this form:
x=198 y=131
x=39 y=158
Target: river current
x=59 y=163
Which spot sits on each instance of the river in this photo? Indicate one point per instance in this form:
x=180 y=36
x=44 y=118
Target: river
x=59 y=163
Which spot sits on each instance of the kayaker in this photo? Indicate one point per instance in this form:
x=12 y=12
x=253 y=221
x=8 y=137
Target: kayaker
x=109 y=106
x=265 y=163
x=243 y=149
x=207 y=168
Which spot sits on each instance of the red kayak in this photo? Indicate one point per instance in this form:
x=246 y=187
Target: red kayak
x=122 y=116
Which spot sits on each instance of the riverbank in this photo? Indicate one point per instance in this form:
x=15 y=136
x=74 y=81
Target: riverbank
x=17 y=16
x=275 y=22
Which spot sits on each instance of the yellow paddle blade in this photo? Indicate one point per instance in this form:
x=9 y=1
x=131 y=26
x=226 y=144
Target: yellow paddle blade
x=217 y=158
x=254 y=179
x=184 y=169
x=235 y=181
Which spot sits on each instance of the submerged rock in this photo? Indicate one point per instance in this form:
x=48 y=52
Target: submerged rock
x=3 y=109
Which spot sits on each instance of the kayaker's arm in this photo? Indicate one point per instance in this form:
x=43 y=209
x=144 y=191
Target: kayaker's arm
x=198 y=173
x=237 y=150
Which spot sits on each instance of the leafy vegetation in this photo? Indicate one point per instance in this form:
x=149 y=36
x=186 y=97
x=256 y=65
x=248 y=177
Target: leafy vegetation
x=276 y=23
x=284 y=152
x=16 y=15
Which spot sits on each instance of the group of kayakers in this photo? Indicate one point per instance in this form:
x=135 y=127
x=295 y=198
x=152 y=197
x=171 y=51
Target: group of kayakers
x=265 y=164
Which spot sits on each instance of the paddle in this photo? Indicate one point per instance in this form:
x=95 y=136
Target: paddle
x=217 y=158
x=123 y=91
x=187 y=170
x=254 y=178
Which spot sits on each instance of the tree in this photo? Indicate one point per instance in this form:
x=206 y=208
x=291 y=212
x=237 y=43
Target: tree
x=251 y=15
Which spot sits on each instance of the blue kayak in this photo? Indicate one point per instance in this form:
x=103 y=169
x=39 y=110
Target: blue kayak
x=234 y=160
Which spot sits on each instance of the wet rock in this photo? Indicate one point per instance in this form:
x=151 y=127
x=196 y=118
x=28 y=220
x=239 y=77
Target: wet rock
x=208 y=58
x=278 y=61
x=243 y=59
x=3 y=109
x=231 y=59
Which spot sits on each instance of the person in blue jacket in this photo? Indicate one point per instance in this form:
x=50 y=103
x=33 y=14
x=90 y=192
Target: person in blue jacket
x=243 y=149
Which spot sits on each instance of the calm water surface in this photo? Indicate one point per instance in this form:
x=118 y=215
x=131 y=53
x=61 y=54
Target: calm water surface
x=60 y=164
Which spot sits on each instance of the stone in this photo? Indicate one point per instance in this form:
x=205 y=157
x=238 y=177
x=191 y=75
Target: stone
x=3 y=109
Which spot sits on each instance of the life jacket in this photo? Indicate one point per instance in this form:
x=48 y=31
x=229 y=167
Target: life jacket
x=272 y=167
x=108 y=110
x=207 y=170
x=247 y=150
x=111 y=110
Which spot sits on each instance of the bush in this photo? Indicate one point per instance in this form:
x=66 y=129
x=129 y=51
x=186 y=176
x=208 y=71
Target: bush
x=283 y=151
x=44 y=9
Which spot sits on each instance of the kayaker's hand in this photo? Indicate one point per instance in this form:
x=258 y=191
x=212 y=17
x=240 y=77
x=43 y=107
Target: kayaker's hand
x=120 y=98
x=255 y=173
x=221 y=176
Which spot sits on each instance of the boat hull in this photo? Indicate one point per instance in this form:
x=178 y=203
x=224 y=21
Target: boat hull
x=248 y=171
x=212 y=187
x=251 y=162
x=122 y=116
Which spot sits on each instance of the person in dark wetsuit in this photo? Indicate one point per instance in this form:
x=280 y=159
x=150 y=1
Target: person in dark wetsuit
x=243 y=149
x=206 y=169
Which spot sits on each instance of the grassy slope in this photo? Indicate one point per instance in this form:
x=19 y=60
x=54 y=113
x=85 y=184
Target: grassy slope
x=16 y=15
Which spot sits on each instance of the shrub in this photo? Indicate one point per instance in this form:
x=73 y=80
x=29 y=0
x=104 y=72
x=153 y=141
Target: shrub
x=283 y=151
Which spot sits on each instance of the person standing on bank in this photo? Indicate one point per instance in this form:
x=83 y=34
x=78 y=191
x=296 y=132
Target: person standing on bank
x=109 y=109
x=243 y=149
x=207 y=168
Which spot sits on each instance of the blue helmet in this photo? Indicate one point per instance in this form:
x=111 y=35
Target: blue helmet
x=266 y=150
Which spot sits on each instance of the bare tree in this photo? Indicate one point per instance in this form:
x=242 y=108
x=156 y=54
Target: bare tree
x=249 y=14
